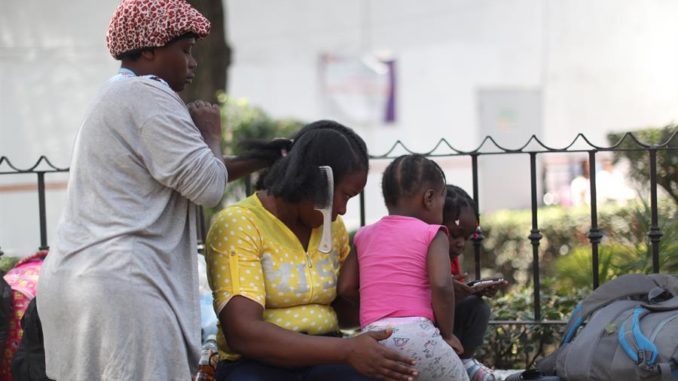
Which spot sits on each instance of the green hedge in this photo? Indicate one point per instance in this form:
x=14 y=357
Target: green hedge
x=638 y=159
x=565 y=268
x=624 y=248
x=7 y=263
x=514 y=346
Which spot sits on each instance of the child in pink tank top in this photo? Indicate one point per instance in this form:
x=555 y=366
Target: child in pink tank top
x=401 y=271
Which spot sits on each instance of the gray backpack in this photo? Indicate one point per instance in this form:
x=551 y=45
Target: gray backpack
x=627 y=329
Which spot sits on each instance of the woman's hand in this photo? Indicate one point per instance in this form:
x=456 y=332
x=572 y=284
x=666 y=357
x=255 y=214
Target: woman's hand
x=372 y=359
x=461 y=291
x=207 y=117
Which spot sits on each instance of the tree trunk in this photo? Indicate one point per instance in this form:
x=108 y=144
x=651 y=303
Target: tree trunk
x=212 y=53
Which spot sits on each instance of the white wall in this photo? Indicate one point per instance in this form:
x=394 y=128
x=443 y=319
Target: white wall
x=445 y=50
x=53 y=57
x=611 y=66
x=602 y=65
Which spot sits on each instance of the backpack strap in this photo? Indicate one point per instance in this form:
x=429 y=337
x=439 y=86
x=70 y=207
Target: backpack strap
x=636 y=345
x=642 y=349
x=573 y=324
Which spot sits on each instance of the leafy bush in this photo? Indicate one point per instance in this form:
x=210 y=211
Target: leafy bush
x=242 y=121
x=639 y=163
x=519 y=346
x=565 y=267
x=626 y=248
x=7 y=263
x=565 y=233
x=575 y=269
x=506 y=242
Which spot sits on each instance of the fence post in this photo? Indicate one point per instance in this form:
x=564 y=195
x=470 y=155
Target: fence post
x=535 y=236
x=41 y=211
x=595 y=235
x=478 y=235
x=655 y=233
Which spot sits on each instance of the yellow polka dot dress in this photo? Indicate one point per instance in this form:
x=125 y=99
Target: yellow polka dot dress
x=249 y=252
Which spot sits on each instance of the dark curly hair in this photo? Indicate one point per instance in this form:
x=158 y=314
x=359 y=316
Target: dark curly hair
x=296 y=177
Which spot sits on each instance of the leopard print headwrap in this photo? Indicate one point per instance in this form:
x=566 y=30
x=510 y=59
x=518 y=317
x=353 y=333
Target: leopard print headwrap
x=152 y=23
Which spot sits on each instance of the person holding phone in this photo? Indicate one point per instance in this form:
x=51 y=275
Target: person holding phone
x=472 y=314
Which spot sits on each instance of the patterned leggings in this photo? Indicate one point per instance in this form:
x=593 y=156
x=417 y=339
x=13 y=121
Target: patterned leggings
x=419 y=339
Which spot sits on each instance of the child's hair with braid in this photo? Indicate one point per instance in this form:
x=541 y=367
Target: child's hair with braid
x=408 y=175
x=460 y=215
x=456 y=199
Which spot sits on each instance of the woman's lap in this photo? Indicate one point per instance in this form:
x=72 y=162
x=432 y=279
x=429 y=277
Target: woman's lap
x=251 y=370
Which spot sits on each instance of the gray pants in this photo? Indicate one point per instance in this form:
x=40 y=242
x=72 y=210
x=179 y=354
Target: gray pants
x=471 y=317
x=419 y=339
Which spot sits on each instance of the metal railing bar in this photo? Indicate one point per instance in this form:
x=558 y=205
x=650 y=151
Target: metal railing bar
x=478 y=236
x=595 y=235
x=528 y=322
x=459 y=154
x=42 y=211
x=533 y=139
x=535 y=236
x=655 y=233
x=16 y=170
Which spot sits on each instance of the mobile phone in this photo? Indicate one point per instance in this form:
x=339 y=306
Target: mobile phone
x=483 y=281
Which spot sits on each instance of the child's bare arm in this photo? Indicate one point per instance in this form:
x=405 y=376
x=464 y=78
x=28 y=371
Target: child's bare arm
x=442 y=288
x=349 y=279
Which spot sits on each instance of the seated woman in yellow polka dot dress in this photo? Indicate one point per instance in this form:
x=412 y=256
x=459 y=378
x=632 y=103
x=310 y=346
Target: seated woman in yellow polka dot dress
x=274 y=291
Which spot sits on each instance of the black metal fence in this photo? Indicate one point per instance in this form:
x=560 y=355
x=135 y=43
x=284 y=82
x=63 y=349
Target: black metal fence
x=533 y=148
x=41 y=167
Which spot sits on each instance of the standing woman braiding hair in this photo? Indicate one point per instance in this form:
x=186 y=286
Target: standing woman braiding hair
x=118 y=295
x=275 y=291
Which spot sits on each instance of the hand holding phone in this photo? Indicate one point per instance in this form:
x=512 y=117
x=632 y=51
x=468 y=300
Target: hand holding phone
x=485 y=281
x=487 y=286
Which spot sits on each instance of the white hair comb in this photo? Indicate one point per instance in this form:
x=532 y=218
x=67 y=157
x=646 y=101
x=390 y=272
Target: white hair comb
x=323 y=203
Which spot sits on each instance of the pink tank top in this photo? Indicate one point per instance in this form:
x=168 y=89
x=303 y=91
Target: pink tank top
x=392 y=256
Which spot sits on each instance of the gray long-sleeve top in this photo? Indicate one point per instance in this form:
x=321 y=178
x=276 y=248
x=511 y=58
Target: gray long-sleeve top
x=128 y=228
